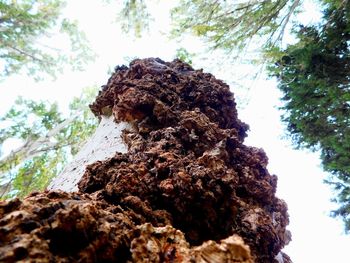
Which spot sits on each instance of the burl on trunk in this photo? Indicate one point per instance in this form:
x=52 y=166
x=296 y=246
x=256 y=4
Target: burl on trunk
x=186 y=190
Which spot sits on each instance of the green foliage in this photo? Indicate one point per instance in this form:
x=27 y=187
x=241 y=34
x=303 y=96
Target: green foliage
x=231 y=25
x=314 y=75
x=134 y=17
x=49 y=139
x=184 y=55
x=46 y=116
x=26 y=26
x=35 y=174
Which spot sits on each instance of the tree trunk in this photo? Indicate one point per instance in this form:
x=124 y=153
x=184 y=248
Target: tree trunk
x=103 y=144
x=185 y=189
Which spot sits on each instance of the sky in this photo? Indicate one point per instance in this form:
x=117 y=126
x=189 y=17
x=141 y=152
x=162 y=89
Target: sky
x=316 y=236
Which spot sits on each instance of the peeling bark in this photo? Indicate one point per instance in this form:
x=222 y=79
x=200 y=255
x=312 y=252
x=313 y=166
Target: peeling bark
x=103 y=144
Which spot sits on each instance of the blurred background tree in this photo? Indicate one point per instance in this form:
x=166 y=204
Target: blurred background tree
x=134 y=17
x=28 y=31
x=233 y=25
x=313 y=75
x=48 y=139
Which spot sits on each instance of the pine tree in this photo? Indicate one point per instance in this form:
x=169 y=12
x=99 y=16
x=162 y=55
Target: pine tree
x=313 y=75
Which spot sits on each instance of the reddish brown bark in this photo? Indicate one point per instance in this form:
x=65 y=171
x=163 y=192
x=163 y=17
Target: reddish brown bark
x=187 y=178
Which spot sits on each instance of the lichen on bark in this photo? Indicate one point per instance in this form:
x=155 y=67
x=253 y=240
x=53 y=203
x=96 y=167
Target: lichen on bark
x=187 y=190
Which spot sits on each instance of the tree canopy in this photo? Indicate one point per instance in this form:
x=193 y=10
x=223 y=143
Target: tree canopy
x=26 y=27
x=313 y=75
x=231 y=25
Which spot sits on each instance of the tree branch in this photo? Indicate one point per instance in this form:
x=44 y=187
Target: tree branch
x=286 y=19
x=32 y=148
x=5 y=188
x=29 y=55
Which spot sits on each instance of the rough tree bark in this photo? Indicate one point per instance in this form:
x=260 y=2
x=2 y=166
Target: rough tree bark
x=186 y=190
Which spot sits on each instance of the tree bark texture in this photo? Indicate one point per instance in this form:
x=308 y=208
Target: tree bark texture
x=186 y=190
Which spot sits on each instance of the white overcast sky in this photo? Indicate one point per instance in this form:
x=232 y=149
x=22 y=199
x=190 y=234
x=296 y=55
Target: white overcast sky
x=316 y=236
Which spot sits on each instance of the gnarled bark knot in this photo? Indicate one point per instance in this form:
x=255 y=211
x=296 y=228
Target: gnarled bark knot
x=186 y=190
